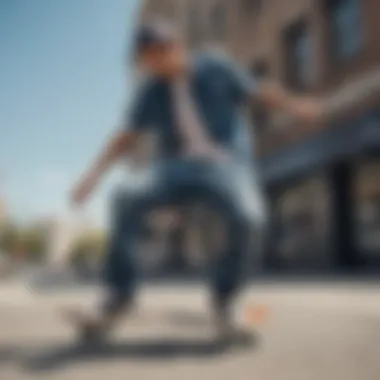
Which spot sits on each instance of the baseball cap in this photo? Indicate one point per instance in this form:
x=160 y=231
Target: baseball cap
x=154 y=33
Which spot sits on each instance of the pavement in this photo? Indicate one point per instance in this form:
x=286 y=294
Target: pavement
x=316 y=330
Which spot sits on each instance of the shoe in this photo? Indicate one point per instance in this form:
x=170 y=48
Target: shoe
x=228 y=332
x=90 y=329
x=90 y=333
x=95 y=328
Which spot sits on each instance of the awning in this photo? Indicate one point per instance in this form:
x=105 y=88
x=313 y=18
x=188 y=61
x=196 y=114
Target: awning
x=328 y=146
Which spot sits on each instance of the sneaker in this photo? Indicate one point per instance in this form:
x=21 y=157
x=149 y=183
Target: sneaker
x=227 y=330
x=90 y=329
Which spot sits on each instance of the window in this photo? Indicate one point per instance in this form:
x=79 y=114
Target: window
x=219 y=22
x=252 y=5
x=249 y=10
x=305 y=224
x=260 y=70
x=194 y=26
x=345 y=25
x=297 y=51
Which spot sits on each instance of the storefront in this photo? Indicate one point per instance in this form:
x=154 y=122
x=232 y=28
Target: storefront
x=325 y=199
x=367 y=209
x=304 y=225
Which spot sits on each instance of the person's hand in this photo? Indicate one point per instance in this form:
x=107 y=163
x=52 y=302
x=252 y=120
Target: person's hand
x=83 y=190
x=308 y=110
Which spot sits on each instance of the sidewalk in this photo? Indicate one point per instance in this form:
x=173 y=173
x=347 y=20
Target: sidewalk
x=346 y=296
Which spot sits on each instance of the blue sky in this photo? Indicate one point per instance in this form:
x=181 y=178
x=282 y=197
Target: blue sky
x=63 y=82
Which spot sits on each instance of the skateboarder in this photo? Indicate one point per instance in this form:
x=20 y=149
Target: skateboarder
x=194 y=102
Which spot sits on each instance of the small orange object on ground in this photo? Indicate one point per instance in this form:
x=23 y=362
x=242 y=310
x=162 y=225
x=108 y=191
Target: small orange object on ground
x=258 y=314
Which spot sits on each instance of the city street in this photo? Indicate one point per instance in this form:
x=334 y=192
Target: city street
x=313 y=331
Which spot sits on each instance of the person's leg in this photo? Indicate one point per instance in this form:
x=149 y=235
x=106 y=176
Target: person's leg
x=128 y=214
x=120 y=274
x=224 y=193
x=119 y=268
x=228 y=273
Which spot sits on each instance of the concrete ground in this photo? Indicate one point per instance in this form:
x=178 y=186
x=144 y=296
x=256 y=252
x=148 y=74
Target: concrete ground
x=313 y=331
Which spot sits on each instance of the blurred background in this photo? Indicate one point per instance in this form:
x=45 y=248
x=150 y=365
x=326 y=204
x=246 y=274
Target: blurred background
x=63 y=87
x=66 y=79
x=322 y=183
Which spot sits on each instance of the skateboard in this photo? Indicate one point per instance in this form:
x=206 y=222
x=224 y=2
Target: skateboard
x=88 y=331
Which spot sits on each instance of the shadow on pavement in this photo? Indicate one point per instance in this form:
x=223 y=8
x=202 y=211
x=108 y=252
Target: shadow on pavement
x=187 y=319
x=8 y=354
x=59 y=356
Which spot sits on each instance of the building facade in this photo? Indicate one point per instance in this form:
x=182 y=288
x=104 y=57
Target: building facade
x=323 y=181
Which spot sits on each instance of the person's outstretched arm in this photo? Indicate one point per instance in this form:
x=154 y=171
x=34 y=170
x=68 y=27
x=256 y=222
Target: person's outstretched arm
x=117 y=147
x=303 y=108
x=140 y=116
x=270 y=94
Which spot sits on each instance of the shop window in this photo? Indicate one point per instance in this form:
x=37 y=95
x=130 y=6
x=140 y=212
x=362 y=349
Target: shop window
x=305 y=228
x=367 y=214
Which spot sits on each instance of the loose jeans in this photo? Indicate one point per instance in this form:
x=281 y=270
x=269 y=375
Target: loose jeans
x=227 y=187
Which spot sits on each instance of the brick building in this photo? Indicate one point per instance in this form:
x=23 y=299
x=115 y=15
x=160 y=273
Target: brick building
x=324 y=180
